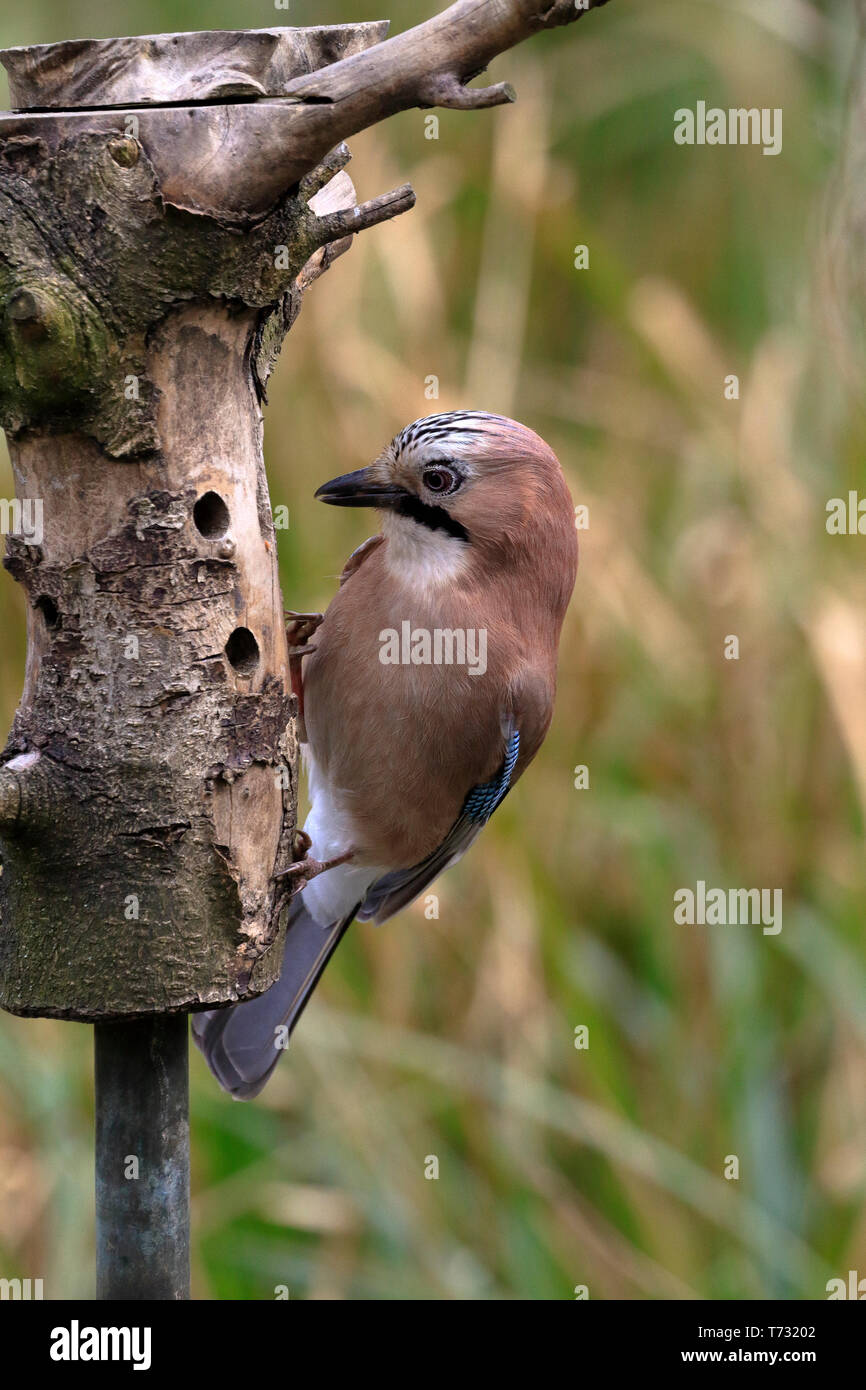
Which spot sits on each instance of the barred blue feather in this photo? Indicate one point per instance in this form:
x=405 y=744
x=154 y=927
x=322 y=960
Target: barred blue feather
x=483 y=800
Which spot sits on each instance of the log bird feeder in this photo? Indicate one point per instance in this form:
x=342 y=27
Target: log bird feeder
x=165 y=202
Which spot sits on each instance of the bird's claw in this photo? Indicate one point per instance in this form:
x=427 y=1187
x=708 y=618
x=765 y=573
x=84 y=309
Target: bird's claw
x=299 y=629
x=304 y=869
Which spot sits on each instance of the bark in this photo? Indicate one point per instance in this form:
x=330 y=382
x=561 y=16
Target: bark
x=154 y=719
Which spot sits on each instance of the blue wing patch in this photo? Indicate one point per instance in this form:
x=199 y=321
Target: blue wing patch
x=483 y=800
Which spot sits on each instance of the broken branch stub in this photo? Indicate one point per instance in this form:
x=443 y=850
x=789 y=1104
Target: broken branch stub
x=152 y=258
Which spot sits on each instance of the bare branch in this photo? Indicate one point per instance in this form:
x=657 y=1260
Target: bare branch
x=235 y=161
x=318 y=178
x=448 y=91
x=357 y=219
x=429 y=65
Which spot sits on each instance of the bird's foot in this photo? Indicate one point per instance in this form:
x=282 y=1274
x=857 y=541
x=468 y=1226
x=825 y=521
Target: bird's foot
x=300 y=627
x=304 y=869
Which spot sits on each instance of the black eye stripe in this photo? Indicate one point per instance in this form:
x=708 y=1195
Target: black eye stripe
x=434 y=518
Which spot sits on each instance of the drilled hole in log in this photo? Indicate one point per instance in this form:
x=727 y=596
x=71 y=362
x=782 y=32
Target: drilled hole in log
x=211 y=515
x=49 y=610
x=242 y=650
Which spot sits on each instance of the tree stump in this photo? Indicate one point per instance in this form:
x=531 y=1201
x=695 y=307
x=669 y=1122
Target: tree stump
x=148 y=787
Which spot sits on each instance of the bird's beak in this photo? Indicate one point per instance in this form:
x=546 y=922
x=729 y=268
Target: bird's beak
x=360 y=489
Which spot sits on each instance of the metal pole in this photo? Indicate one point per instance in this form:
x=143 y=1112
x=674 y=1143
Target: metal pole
x=142 y=1158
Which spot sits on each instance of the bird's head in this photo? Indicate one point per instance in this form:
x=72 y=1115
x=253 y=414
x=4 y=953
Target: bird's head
x=463 y=487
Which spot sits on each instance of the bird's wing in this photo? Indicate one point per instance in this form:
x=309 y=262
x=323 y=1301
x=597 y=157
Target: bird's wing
x=393 y=891
x=358 y=556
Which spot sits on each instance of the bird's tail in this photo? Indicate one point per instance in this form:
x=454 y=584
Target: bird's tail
x=243 y=1044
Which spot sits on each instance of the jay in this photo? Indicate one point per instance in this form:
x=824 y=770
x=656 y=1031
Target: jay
x=412 y=739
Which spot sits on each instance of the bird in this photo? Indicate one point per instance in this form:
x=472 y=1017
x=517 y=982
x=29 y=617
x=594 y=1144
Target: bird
x=426 y=693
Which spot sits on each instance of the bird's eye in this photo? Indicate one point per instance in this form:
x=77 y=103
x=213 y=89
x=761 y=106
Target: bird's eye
x=440 y=480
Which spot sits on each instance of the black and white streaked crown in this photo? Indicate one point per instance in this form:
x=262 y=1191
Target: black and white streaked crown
x=451 y=429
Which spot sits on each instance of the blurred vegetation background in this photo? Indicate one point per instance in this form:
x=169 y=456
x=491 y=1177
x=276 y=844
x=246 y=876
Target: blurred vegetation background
x=561 y=1167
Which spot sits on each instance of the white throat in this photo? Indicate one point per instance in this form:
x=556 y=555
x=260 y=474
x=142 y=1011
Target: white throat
x=421 y=558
